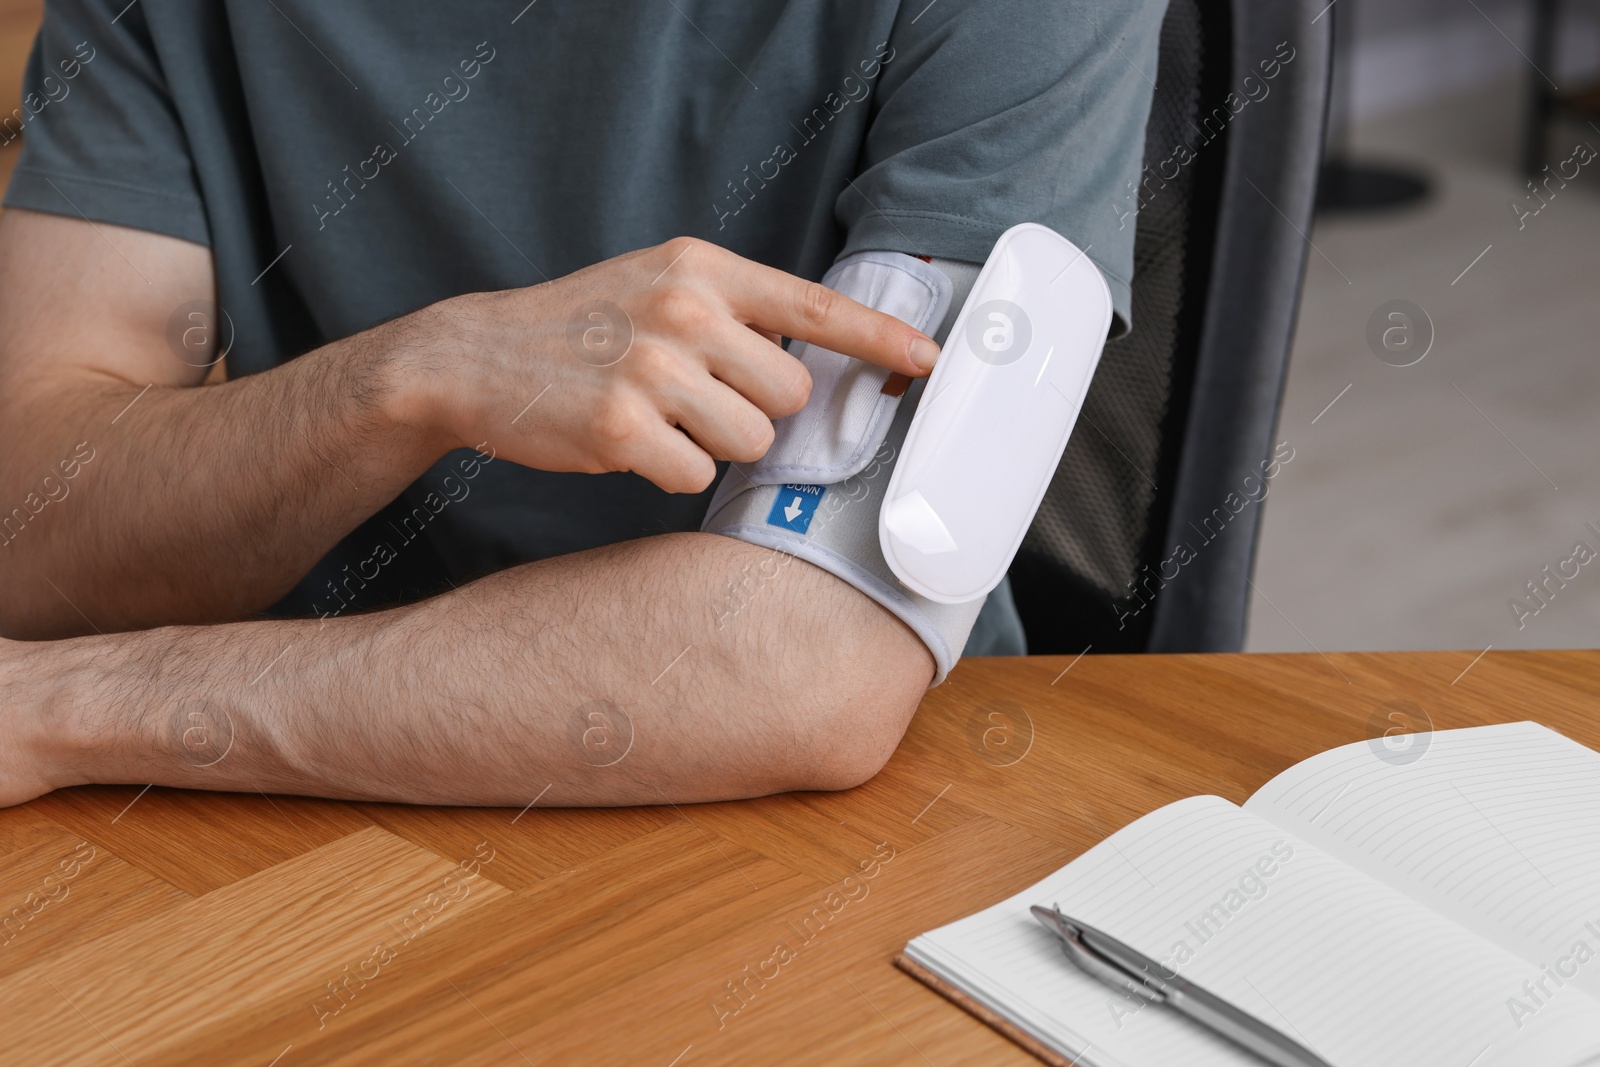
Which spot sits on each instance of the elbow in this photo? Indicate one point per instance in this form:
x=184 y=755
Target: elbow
x=823 y=680
x=854 y=724
x=854 y=752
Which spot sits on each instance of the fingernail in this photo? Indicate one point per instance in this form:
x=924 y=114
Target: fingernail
x=923 y=353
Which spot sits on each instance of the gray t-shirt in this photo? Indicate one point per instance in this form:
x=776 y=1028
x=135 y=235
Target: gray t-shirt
x=349 y=163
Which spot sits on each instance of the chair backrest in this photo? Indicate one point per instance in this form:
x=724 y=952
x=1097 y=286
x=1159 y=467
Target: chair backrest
x=1146 y=536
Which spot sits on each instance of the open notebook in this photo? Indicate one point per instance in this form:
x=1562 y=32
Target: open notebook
x=1439 y=911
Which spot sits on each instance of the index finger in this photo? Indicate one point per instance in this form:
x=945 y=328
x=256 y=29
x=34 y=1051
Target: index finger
x=770 y=299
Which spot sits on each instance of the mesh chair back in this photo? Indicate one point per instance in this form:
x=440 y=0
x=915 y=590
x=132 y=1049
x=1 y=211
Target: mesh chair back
x=1182 y=410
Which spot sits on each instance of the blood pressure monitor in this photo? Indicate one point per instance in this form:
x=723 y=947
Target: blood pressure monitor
x=995 y=416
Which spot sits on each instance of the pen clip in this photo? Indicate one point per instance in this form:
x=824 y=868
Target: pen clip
x=1093 y=963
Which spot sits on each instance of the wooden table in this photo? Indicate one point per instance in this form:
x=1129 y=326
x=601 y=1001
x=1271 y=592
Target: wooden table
x=177 y=927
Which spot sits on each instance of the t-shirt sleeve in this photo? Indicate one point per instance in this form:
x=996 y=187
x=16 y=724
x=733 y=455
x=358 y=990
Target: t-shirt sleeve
x=995 y=112
x=101 y=137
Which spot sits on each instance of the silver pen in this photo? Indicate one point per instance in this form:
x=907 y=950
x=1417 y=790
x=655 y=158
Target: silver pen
x=1108 y=960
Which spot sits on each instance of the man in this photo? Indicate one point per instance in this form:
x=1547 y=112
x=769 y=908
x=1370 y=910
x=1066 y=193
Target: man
x=398 y=226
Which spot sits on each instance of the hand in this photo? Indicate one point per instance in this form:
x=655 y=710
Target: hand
x=659 y=361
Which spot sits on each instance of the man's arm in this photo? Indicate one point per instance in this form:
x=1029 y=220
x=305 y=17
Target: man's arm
x=526 y=679
x=613 y=676
x=129 y=497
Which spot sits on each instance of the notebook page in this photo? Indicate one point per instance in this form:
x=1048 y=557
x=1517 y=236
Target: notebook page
x=1360 y=973
x=1496 y=826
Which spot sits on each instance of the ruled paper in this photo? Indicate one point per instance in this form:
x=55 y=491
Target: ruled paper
x=1360 y=973
x=1497 y=827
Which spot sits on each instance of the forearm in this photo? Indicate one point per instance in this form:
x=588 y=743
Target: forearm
x=191 y=504
x=619 y=675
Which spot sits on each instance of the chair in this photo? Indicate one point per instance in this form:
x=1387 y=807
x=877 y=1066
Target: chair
x=1182 y=411
x=1545 y=104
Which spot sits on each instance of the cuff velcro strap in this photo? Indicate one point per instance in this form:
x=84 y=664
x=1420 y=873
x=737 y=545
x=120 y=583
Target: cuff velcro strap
x=817 y=492
x=848 y=413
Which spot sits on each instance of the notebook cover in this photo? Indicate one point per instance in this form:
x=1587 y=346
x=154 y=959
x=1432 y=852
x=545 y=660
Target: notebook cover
x=975 y=1008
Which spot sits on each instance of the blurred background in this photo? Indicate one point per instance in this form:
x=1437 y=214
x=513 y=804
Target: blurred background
x=1422 y=502
x=1438 y=503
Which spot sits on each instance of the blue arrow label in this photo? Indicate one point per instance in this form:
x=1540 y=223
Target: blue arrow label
x=795 y=506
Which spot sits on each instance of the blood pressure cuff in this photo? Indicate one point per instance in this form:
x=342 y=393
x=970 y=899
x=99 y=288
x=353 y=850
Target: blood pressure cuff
x=817 y=491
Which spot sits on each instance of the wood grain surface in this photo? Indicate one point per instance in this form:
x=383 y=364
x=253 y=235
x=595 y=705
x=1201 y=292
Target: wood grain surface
x=168 y=927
